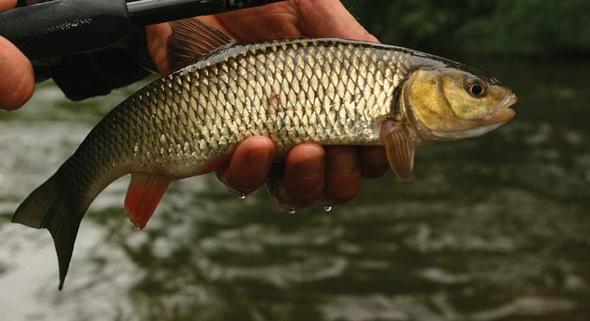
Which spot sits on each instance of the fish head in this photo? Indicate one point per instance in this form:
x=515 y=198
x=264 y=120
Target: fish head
x=451 y=103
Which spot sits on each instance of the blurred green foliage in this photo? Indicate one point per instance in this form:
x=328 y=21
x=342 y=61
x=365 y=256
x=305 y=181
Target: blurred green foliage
x=490 y=27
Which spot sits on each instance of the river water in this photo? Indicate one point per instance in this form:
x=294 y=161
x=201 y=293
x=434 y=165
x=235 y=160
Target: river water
x=494 y=228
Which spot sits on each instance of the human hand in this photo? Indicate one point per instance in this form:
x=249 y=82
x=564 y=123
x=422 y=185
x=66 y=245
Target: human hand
x=310 y=172
x=17 y=79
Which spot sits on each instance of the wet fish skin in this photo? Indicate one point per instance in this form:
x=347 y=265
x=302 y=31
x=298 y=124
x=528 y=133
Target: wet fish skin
x=328 y=91
x=325 y=91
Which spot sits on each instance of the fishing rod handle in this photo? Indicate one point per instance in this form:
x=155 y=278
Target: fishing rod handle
x=58 y=28
x=145 y=12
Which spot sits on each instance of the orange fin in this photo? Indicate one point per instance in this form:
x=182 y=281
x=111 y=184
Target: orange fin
x=192 y=39
x=400 y=149
x=144 y=193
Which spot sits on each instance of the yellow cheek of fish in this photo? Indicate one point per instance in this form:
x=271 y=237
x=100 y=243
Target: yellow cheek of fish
x=463 y=105
x=429 y=104
x=441 y=103
x=467 y=107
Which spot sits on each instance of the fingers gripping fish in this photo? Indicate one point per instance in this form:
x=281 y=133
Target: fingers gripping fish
x=327 y=91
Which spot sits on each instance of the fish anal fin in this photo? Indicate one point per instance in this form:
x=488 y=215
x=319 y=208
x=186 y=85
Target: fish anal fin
x=192 y=39
x=400 y=148
x=143 y=196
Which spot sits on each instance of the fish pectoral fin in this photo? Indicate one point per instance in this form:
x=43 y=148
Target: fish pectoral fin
x=399 y=147
x=143 y=195
x=192 y=39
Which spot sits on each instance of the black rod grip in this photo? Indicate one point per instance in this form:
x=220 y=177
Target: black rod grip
x=145 y=12
x=64 y=27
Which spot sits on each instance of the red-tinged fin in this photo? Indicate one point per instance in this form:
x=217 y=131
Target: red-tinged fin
x=191 y=40
x=400 y=149
x=144 y=193
x=52 y=206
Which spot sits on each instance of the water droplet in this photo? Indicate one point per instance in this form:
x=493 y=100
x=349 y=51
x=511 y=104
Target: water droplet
x=242 y=196
x=292 y=211
x=163 y=139
x=137 y=228
x=328 y=209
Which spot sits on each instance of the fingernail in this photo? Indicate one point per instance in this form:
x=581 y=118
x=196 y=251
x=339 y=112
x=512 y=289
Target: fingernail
x=343 y=163
x=281 y=199
x=237 y=193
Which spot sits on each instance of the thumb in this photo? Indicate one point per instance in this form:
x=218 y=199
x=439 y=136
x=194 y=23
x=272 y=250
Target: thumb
x=329 y=18
x=17 y=80
x=157 y=37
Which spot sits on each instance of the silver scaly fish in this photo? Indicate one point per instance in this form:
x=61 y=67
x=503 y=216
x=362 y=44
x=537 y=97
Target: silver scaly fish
x=327 y=91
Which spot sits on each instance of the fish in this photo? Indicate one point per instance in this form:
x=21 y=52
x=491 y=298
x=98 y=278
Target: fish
x=327 y=91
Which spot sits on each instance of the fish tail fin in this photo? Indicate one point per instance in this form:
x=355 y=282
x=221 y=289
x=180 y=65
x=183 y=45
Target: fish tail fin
x=50 y=207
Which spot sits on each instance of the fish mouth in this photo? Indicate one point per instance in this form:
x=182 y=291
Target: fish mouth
x=503 y=112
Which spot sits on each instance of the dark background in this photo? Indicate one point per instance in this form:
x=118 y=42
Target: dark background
x=492 y=28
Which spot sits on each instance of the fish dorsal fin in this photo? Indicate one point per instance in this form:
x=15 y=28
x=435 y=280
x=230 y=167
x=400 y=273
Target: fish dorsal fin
x=192 y=39
x=144 y=193
x=399 y=147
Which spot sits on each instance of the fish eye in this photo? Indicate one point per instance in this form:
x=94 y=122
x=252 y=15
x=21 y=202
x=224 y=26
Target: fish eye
x=476 y=89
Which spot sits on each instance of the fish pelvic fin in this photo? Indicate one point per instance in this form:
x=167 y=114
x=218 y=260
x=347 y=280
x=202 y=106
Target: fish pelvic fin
x=50 y=207
x=143 y=196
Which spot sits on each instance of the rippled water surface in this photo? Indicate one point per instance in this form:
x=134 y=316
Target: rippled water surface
x=494 y=228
